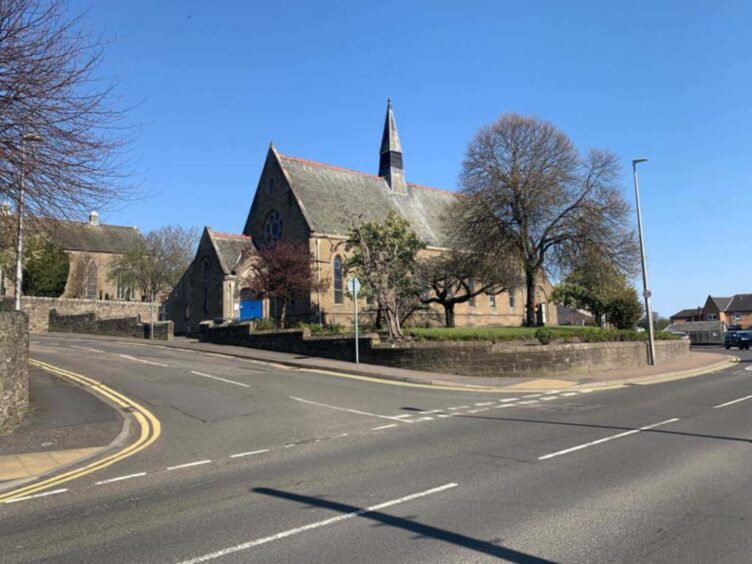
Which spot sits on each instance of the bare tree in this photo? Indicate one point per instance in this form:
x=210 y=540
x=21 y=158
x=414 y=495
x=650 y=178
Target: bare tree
x=527 y=191
x=456 y=277
x=157 y=264
x=50 y=92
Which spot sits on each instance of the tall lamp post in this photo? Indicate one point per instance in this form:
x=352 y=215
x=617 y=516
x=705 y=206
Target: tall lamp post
x=25 y=138
x=646 y=290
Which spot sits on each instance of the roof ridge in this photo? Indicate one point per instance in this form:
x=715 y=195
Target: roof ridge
x=238 y=236
x=325 y=165
x=416 y=185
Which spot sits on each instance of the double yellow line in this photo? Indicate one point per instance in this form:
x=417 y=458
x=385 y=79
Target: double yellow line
x=150 y=431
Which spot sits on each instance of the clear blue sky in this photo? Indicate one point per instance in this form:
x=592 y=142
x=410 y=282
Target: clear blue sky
x=671 y=81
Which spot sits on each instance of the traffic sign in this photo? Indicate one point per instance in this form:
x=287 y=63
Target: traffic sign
x=353 y=286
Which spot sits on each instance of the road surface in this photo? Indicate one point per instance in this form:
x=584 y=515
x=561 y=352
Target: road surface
x=260 y=463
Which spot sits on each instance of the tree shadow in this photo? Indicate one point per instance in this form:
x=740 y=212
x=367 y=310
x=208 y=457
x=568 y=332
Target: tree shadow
x=418 y=528
x=614 y=427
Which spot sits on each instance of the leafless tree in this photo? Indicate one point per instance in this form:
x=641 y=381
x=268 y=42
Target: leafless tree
x=527 y=191
x=456 y=277
x=51 y=95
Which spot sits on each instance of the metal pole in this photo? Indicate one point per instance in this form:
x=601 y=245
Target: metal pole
x=19 y=231
x=357 y=352
x=646 y=290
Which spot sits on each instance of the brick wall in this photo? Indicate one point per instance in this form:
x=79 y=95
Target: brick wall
x=453 y=357
x=14 y=377
x=89 y=324
x=38 y=309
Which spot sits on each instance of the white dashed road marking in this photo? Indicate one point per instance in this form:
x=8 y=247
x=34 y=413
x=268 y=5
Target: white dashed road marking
x=189 y=464
x=732 y=402
x=142 y=360
x=385 y=427
x=316 y=525
x=120 y=478
x=249 y=453
x=357 y=412
x=220 y=379
x=86 y=349
x=606 y=439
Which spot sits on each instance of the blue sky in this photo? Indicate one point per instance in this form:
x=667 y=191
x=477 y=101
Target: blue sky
x=215 y=82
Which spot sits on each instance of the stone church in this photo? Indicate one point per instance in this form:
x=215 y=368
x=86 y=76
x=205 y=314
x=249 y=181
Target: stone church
x=314 y=203
x=298 y=199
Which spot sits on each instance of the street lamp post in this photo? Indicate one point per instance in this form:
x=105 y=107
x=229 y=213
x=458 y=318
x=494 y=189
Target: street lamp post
x=26 y=137
x=646 y=291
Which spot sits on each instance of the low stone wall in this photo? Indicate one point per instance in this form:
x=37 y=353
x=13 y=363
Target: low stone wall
x=38 y=309
x=14 y=375
x=470 y=358
x=90 y=324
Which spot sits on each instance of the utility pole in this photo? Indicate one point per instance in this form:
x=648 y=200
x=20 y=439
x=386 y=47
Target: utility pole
x=30 y=137
x=646 y=291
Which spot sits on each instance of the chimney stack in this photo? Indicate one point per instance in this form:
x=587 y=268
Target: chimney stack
x=93 y=218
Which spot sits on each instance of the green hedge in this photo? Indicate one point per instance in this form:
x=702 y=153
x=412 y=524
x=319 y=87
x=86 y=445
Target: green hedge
x=559 y=334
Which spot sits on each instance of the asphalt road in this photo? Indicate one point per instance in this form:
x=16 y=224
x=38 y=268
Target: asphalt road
x=258 y=463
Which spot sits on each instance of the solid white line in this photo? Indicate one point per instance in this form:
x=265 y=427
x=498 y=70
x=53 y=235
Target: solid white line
x=384 y=427
x=220 y=379
x=548 y=398
x=606 y=439
x=532 y=396
x=422 y=419
x=733 y=401
x=53 y=492
x=316 y=525
x=119 y=478
x=509 y=399
x=398 y=417
x=86 y=349
x=238 y=455
x=484 y=403
x=198 y=463
x=142 y=360
x=567 y=394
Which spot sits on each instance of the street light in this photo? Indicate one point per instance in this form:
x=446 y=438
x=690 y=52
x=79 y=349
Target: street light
x=25 y=138
x=646 y=292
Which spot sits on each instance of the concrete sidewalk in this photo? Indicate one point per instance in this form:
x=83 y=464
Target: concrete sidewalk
x=694 y=364
x=65 y=426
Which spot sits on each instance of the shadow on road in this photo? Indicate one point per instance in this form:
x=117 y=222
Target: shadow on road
x=418 y=528
x=616 y=428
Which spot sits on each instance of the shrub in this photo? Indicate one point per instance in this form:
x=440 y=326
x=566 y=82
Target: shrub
x=265 y=325
x=544 y=335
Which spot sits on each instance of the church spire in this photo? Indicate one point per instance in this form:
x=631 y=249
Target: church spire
x=390 y=161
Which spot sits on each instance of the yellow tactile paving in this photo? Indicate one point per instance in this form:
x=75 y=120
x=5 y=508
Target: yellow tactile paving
x=16 y=466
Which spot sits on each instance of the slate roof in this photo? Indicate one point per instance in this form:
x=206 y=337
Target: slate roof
x=328 y=195
x=740 y=302
x=687 y=313
x=83 y=236
x=230 y=247
x=721 y=303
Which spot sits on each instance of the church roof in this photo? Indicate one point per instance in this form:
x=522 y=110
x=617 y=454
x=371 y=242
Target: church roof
x=331 y=196
x=84 y=236
x=230 y=247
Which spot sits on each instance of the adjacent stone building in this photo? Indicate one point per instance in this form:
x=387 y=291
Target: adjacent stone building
x=210 y=287
x=315 y=203
x=92 y=249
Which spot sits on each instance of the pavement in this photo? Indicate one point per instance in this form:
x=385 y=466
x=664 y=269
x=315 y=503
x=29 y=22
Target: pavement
x=696 y=363
x=261 y=462
x=66 y=425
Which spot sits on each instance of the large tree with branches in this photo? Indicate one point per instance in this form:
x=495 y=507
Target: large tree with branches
x=456 y=277
x=60 y=125
x=526 y=190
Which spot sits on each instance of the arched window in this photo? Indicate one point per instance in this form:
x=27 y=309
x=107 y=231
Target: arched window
x=91 y=281
x=339 y=295
x=273 y=227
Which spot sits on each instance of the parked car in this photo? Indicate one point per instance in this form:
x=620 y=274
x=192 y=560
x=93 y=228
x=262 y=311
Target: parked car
x=680 y=334
x=741 y=339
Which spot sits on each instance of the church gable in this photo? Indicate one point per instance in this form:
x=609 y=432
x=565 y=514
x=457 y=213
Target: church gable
x=277 y=212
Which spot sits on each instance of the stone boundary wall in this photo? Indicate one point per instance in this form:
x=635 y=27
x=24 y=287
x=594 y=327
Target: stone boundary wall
x=470 y=358
x=38 y=309
x=90 y=324
x=14 y=370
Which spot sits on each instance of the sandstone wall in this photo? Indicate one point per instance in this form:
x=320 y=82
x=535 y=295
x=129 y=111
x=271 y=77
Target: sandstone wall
x=14 y=376
x=453 y=357
x=38 y=309
x=88 y=323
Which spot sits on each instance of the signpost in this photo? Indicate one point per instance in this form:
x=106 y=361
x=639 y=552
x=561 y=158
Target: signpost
x=353 y=286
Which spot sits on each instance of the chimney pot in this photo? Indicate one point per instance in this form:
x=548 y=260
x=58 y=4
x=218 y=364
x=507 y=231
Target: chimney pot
x=93 y=218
